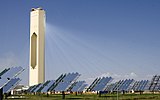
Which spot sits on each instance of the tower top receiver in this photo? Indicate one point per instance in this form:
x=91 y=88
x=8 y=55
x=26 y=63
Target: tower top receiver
x=39 y=8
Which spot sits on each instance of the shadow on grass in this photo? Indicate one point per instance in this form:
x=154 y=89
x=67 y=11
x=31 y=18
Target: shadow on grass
x=108 y=96
x=74 y=98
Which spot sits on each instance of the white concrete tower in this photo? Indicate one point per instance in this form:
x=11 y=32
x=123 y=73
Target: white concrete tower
x=37 y=46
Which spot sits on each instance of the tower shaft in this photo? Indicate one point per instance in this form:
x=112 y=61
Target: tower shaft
x=37 y=46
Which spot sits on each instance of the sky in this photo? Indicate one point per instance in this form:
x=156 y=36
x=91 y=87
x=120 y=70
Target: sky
x=118 y=38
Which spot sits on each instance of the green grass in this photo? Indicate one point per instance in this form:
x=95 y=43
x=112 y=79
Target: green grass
x=93 y=97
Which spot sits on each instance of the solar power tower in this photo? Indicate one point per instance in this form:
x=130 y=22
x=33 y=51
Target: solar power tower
x=37 y=46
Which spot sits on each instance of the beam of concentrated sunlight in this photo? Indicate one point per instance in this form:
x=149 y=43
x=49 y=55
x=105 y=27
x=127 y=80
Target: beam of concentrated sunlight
x=67 y=53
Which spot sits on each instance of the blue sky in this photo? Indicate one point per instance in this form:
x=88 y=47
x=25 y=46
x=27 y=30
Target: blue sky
x=118 y=38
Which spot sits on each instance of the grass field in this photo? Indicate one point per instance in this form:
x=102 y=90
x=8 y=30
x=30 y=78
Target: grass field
x=93 y=97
